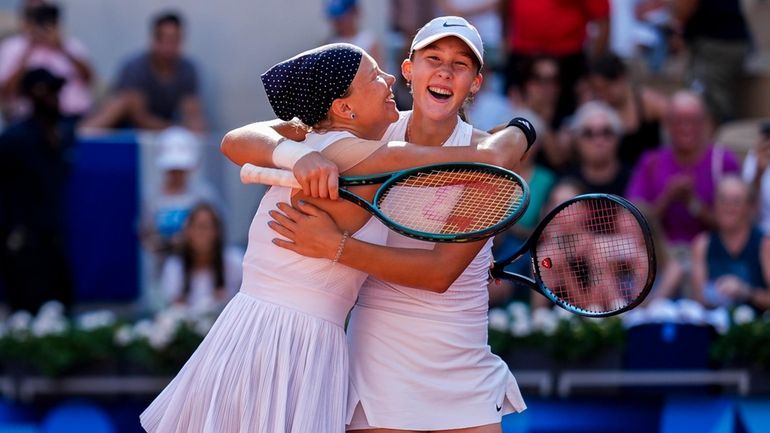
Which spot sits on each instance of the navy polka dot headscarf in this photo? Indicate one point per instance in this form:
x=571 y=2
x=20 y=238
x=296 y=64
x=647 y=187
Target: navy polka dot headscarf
x=305 y=85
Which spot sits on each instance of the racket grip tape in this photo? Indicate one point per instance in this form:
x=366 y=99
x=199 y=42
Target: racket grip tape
x=268 y=176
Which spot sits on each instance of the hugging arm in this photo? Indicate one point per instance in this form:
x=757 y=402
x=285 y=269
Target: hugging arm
x=312 y=232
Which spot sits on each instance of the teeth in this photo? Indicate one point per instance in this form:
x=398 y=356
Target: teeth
x=440 y=91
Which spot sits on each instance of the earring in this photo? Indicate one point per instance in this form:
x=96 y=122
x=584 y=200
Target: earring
x=352 y=115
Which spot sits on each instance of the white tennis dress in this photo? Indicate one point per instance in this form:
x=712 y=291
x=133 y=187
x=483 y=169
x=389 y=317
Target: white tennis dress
x=276 y=360
x=420 y=360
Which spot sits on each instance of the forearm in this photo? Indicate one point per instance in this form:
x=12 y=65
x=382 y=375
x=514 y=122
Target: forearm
x=81 y=66
x=409 y=267
x=760 y=298
x=504 y=148
x=255 y=143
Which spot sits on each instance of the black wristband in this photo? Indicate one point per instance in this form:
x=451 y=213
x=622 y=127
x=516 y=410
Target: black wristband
x=526 y=128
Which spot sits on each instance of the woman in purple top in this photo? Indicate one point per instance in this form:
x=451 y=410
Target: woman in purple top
x=678 y=181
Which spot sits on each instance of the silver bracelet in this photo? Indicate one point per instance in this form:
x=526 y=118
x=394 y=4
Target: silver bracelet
x=341 y=246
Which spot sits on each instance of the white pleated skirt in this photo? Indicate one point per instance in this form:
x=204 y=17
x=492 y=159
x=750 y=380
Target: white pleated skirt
x=414 y=371
x=263 y=368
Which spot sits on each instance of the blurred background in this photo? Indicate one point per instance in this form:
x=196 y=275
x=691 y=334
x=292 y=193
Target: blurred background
x=122 y=227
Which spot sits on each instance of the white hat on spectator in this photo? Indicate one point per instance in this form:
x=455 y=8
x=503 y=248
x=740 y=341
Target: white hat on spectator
x=179 y=149
x=441 y=27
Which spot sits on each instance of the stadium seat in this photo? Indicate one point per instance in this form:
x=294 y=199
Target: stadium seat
x=77 y=417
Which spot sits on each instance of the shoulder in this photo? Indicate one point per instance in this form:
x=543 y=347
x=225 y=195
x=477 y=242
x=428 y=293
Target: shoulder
x=478 y=135
x=139 y=61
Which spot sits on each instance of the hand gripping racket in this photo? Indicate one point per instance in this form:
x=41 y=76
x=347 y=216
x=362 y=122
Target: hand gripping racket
x=455 y=202
x=592 y=255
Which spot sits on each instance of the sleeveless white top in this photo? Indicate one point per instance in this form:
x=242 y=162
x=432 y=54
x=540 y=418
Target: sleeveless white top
x=316 y=286
x=467 y=293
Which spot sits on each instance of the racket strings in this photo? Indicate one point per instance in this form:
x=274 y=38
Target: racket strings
x=593 y=256
x=452 y=201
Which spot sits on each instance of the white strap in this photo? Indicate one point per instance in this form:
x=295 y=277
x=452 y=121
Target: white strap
x=288 y=152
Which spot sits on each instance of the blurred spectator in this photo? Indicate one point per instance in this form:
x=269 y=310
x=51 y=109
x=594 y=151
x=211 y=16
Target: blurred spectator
x=718 y=41
x=345 y=20
x=670 y=272
x=42 y=45
x=597 y=127
x=641 y=108
x=485 y=16
x=563 y=190
x=538 y=92
x=166 y=211
x=731 y=265
x=678 y=181
x=755 y=172
x=35 y=159
x=204 y=274
x=157 y=88
x=489 y=109
x=407 y=17
x=557 y=28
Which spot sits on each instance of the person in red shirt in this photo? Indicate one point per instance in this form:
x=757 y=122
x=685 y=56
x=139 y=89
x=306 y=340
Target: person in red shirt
x=556 y=28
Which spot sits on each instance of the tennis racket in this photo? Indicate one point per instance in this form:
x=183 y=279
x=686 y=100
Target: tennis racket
x=592 y=255
x=455 y=202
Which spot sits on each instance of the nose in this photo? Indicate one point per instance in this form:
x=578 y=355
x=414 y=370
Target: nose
x=445 y=71
x=390 y=79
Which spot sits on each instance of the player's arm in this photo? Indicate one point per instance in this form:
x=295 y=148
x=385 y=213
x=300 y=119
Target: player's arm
x=312 y=233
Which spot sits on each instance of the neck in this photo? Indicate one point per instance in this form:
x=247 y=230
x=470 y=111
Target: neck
x=688 y=157
x=735 y=237
x=367 y=133
x=202 y=259
x=425 y=131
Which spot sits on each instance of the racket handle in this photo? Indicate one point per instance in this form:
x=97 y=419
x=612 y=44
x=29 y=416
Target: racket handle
x=268 y=176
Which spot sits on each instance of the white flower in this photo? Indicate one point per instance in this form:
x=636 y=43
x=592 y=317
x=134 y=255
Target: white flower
x=521 y=328
x=719 y=318
x=143 y=329
x=20 y=321
x=51 y=309
x=518 y=310
x=498 y=319
x=161 y=337
x=96 y=319
x=124 y=336
x=635 y=317
x=691 y=311
x=743 y=314
x=48 y=325
x=563 y=314
x=662 y=310
x=544 y=319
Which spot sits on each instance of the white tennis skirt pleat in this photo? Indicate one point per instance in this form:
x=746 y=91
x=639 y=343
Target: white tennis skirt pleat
x=262 y=368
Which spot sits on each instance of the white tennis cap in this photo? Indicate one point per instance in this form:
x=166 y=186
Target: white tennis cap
x=179 y=149
x=441 y=27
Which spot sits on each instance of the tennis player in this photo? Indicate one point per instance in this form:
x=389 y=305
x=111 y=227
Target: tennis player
x=276 y=359
x=418 y=333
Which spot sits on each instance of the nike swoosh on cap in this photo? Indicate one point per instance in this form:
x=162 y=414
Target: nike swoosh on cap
x=446 y=24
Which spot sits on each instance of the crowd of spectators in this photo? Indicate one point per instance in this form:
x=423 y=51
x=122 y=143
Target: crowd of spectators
x=591 y=75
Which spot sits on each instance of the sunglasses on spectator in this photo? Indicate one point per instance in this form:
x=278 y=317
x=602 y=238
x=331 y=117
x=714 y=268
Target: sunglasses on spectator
x=545 y=79
x=589 y=133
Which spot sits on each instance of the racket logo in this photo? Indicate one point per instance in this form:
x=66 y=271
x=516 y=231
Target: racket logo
x=546 y=263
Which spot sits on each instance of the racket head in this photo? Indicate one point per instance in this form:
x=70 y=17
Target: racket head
x=456 y=202
x=593 y=255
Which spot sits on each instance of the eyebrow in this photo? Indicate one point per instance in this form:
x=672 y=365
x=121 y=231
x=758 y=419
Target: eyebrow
x=464 y=52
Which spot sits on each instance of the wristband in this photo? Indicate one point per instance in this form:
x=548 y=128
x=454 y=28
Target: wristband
x=526 y=128
x=288 y=152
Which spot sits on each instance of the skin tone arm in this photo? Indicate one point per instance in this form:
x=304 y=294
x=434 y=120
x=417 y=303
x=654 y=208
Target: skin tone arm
x=255 y=143
x=699 y=271
x=313 y=233
x=192 y=113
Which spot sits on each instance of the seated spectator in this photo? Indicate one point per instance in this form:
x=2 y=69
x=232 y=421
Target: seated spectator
x=166 y=211
x=641 y=109
x=755 y=172
x=501 y=291
x=677 y=181
x=540 y=181
x=731 y=265
x=537 y=90
x=35 y=158
x=42 y=45
x=596 y=127
x=155 y=89
x=204 y=274
x=485 y=16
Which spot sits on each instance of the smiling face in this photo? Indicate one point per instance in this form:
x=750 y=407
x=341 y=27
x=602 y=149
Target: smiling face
x=597 y=141
x=442 y=76
x=369 y=102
